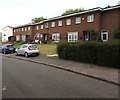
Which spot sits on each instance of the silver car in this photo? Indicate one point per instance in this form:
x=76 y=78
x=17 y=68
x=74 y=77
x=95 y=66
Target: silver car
x=27 y=50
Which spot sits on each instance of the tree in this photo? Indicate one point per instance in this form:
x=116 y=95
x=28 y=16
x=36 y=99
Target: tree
x=35 y=20
x=71 y=11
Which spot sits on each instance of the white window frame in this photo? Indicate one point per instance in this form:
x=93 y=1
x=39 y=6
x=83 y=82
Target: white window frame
x=68 y=22
x=37 y=35
x=14 y=30
x=90 y=18
x=42 y=27
x=41 y=35
x=72 y=36
x=78 y=20
x=29 y=28
x=23 y=38
x=52 y=24
x=18 y=38
x=37 y=27
x=46 y=25
x=25 y=28
x=106 y=33
x=22 y=29
x=60 y=23
x=56 y=37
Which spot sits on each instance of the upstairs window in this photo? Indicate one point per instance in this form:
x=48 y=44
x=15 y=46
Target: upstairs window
x=53 y=24
x=41 y=26
x=37 y=27
x=25 y=28
x=90 y=18
x=46 y=25
x=22 y=29
x=68 y=22
x=60 y=23
x=29 y=28
x=78 y=20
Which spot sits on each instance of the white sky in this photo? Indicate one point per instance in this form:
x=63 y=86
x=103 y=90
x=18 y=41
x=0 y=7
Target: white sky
x=20 y=12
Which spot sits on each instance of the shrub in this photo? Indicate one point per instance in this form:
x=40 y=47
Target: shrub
x=44 y=42
x=117 y=34
x=106 y=53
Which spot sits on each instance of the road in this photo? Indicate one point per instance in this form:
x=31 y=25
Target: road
x=23 y=79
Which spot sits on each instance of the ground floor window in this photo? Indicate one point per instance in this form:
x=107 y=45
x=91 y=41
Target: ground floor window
x=56 y=37
x=104 y=35
x=72 y=36
x=23 y=38
x=18 y=38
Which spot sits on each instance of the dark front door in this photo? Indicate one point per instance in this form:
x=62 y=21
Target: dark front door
x=45 y=37
x=27 y=38
x=86 y=35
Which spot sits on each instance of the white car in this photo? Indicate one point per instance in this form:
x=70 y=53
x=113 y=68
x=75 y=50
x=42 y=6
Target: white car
x=27 y=50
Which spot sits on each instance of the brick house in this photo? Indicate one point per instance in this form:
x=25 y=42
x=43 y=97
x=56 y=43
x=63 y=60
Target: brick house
x=83 y=26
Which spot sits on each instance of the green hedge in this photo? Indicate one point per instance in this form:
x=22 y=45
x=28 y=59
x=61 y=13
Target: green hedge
x=105 y=53
x=117 y=34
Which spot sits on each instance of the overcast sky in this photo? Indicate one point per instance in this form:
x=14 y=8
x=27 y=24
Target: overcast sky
x=19 y=12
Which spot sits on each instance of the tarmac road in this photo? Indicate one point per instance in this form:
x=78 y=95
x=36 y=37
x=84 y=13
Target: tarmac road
x=23 y=79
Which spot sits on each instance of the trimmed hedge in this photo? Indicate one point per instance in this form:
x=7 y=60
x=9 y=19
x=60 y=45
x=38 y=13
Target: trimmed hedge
x=101 y=53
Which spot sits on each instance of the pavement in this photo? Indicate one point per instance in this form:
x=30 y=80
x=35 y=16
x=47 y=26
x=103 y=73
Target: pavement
x=105 y=74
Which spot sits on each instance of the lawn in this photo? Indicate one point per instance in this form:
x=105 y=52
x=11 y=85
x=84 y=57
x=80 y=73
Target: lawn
x=47 y=49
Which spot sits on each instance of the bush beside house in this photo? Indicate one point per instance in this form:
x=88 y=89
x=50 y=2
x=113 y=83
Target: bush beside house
x=117 y=34
x=101 y=53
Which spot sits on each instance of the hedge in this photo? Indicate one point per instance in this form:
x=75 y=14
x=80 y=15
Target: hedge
x=101 y=53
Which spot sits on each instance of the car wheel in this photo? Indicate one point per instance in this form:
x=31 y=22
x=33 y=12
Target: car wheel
x=37 y=54
x=26 y=54
x=16 y=53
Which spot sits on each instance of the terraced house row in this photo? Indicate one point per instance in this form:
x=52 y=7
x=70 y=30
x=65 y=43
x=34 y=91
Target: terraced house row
x=83 y=26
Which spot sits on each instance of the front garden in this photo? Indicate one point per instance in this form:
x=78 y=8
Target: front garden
x=101 y=53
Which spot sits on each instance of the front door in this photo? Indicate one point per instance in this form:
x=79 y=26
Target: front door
x=104 y=35
x=86 y=35
x=27 y=38
x=45 y=37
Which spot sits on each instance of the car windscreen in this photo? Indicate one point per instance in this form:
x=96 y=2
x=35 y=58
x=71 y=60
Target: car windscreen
x=9 y=45
x=33 y=46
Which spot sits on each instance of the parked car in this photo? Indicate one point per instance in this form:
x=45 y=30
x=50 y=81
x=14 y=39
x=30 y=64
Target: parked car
x=27 y=50
x=7 y=48
x=0 y=48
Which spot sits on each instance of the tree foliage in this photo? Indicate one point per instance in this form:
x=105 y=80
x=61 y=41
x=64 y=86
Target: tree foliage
x=71 y=11
x=35 y=20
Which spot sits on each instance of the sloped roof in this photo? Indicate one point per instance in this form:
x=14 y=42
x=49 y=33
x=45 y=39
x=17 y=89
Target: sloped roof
x=7 y=26
x=85 y=11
